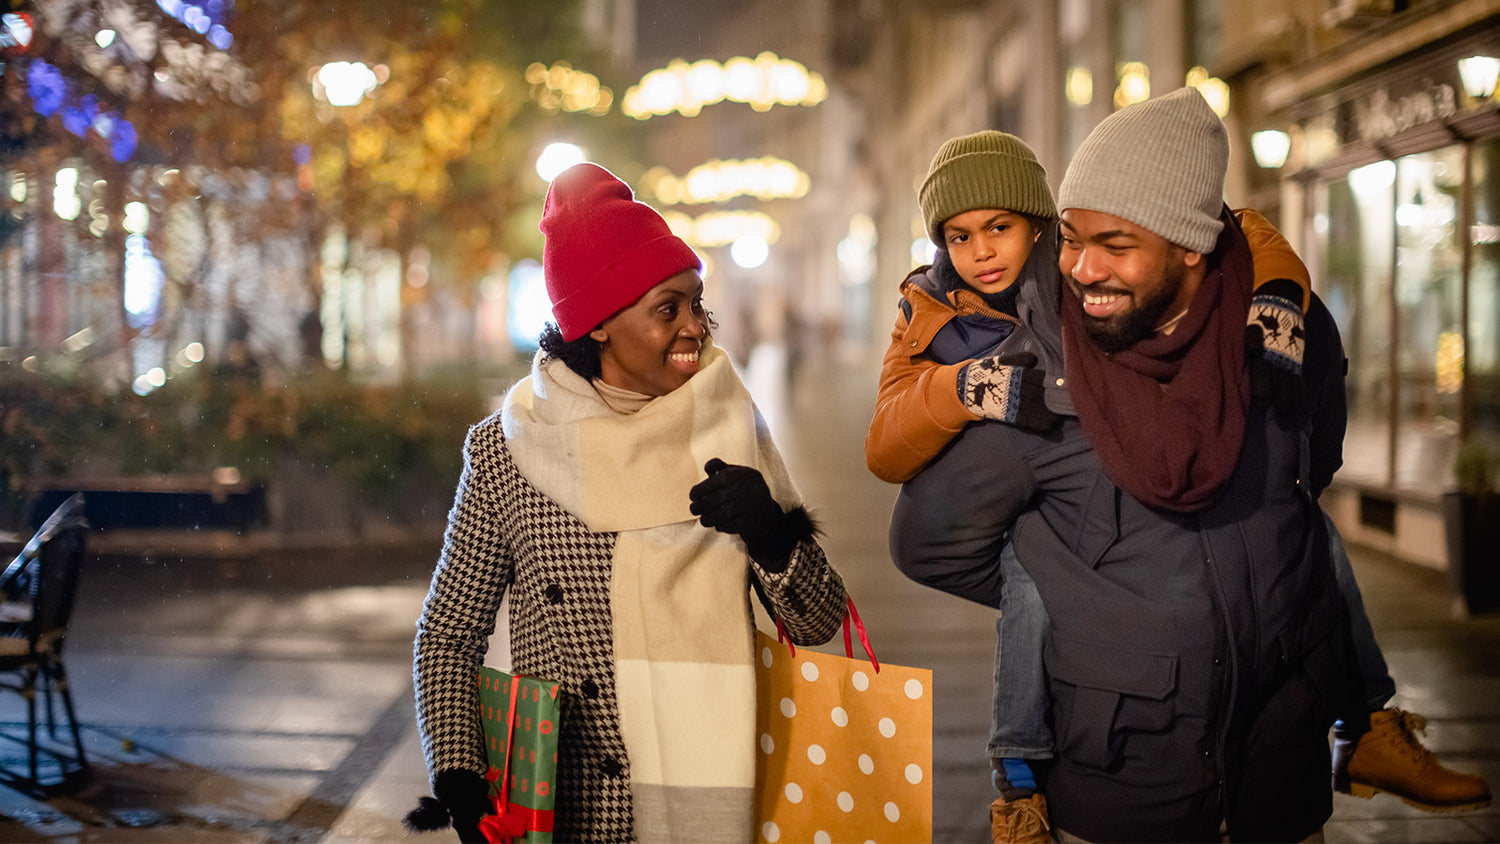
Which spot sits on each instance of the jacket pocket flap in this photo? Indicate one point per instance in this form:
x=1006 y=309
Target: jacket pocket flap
x=1100 y=526
x=1112 y=669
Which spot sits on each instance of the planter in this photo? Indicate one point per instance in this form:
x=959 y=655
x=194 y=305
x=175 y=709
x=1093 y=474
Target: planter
x=1472 y=524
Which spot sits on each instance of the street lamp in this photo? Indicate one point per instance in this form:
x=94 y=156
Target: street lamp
x=1270 y=147
x=749 y=251
x=341 y=84
x=344 y=83
x=557 y=157
x=1479 y=75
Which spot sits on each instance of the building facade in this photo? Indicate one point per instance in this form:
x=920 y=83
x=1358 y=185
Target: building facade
x=1390 y=190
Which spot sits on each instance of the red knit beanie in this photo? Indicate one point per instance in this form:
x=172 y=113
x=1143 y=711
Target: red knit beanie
x=603 y=249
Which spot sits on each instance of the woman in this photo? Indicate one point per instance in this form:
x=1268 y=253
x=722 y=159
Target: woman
x=578 y=498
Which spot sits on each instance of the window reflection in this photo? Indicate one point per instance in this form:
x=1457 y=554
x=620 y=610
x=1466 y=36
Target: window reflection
x=1356 y=251
x=1387 y=237
x=1428 y=290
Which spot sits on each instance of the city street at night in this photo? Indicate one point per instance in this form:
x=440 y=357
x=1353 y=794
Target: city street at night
x=291 y=291
x=268 y=698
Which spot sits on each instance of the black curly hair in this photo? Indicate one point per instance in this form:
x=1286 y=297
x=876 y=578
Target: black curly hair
x=581 y=355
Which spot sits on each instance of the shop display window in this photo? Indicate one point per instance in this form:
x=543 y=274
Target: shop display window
x=1388 y=252
x=1352 y=228
x=1428 y=294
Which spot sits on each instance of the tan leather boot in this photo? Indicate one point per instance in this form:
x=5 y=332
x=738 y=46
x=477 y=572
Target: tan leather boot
x=1022 y=821
x=1390 y=758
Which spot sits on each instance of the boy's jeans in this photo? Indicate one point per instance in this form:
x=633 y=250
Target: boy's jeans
x=1019 y=725
x=1019 y=728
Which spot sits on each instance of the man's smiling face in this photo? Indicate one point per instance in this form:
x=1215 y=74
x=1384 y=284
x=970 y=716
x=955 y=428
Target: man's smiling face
x=1129 y=281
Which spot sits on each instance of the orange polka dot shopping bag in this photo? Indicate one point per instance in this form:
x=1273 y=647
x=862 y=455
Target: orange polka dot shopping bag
x=520 y=717
x=845 y=746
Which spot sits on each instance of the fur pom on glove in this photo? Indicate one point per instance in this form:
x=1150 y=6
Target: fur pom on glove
x=1274 y=341
x=1007 y=388
x=735 y=499
x=462 y=799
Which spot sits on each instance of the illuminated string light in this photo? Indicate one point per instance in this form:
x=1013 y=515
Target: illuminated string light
x=765 y=178
x=1214 y=90
x=1135 y=84
x=719 y=228
x=762 y=82
x=1080 y=86
x=561 y=87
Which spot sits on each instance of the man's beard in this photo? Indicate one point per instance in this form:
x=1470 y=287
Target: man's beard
x=1137 y=322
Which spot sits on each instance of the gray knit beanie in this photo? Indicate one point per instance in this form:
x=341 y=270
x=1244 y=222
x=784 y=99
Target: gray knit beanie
x=1159 y=164
x=987 y=169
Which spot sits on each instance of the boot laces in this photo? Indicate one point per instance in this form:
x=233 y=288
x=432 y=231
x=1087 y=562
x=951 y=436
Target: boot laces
x=1408 y=725
x=1026 y=821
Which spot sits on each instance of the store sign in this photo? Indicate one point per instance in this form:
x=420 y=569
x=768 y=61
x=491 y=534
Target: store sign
x=1381 y=114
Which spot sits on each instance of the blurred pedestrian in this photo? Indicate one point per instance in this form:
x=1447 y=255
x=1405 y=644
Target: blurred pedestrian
x=579 y=499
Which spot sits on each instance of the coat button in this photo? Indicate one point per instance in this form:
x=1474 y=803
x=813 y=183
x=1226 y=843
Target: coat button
x=611 y=767
x=554 y=594
x=912 y=343
x=1059 y=382
x=590 y=689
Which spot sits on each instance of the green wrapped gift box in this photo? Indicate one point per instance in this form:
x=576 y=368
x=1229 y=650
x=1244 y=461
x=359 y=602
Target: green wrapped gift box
x=520 y=717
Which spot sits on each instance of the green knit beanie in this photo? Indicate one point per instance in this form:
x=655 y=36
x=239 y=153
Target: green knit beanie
x=987 y=169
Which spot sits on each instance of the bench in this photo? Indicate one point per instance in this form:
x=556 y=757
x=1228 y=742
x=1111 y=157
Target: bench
x=220 y=500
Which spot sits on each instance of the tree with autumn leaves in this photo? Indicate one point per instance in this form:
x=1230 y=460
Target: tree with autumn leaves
x=441 y=152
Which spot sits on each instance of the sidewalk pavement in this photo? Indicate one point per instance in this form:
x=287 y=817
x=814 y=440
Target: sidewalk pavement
x=267 y=698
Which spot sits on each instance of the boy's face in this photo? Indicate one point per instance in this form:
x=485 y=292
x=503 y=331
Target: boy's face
x=988 y=247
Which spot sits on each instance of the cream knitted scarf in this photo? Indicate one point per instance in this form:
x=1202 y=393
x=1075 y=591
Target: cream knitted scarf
x=678 y=596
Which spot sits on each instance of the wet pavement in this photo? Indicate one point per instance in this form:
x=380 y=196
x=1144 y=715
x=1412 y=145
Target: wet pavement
x=266 y=696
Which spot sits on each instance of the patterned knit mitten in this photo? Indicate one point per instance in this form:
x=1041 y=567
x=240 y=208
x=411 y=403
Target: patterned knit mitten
x=1007 y=388
x=1274 y=341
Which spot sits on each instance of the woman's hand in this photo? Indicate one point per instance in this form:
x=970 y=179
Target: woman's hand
x=735 y=499
x=465 y=795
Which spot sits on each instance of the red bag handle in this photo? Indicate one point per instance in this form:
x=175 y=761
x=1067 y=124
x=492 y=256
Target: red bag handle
x=864 y=638
x=859 y=626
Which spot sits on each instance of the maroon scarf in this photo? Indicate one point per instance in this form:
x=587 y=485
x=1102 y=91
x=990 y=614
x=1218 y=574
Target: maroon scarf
x=1167 y=415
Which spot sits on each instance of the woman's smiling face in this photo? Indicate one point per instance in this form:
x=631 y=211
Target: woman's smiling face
x=652 y=346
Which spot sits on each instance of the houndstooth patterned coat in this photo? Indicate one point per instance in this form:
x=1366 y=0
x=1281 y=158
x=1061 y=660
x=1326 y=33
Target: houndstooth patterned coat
x=504 y=535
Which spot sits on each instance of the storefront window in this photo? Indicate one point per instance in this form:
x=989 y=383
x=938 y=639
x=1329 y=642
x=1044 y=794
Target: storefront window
x=1428 y=290
x=1483 y=347
x=1353 y=228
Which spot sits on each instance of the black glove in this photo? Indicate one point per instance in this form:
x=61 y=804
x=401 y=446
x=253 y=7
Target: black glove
x=463 y=797
x=1007 y=388
x=735 y=499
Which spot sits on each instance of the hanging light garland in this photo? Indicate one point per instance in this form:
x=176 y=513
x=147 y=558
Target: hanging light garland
x=762 y=82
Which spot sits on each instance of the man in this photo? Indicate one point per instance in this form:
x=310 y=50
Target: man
x=1198 y=648
x=1389 y=757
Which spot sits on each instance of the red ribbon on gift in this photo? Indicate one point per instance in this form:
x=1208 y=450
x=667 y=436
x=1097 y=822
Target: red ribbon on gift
x=510 y=822
x=516 y=821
